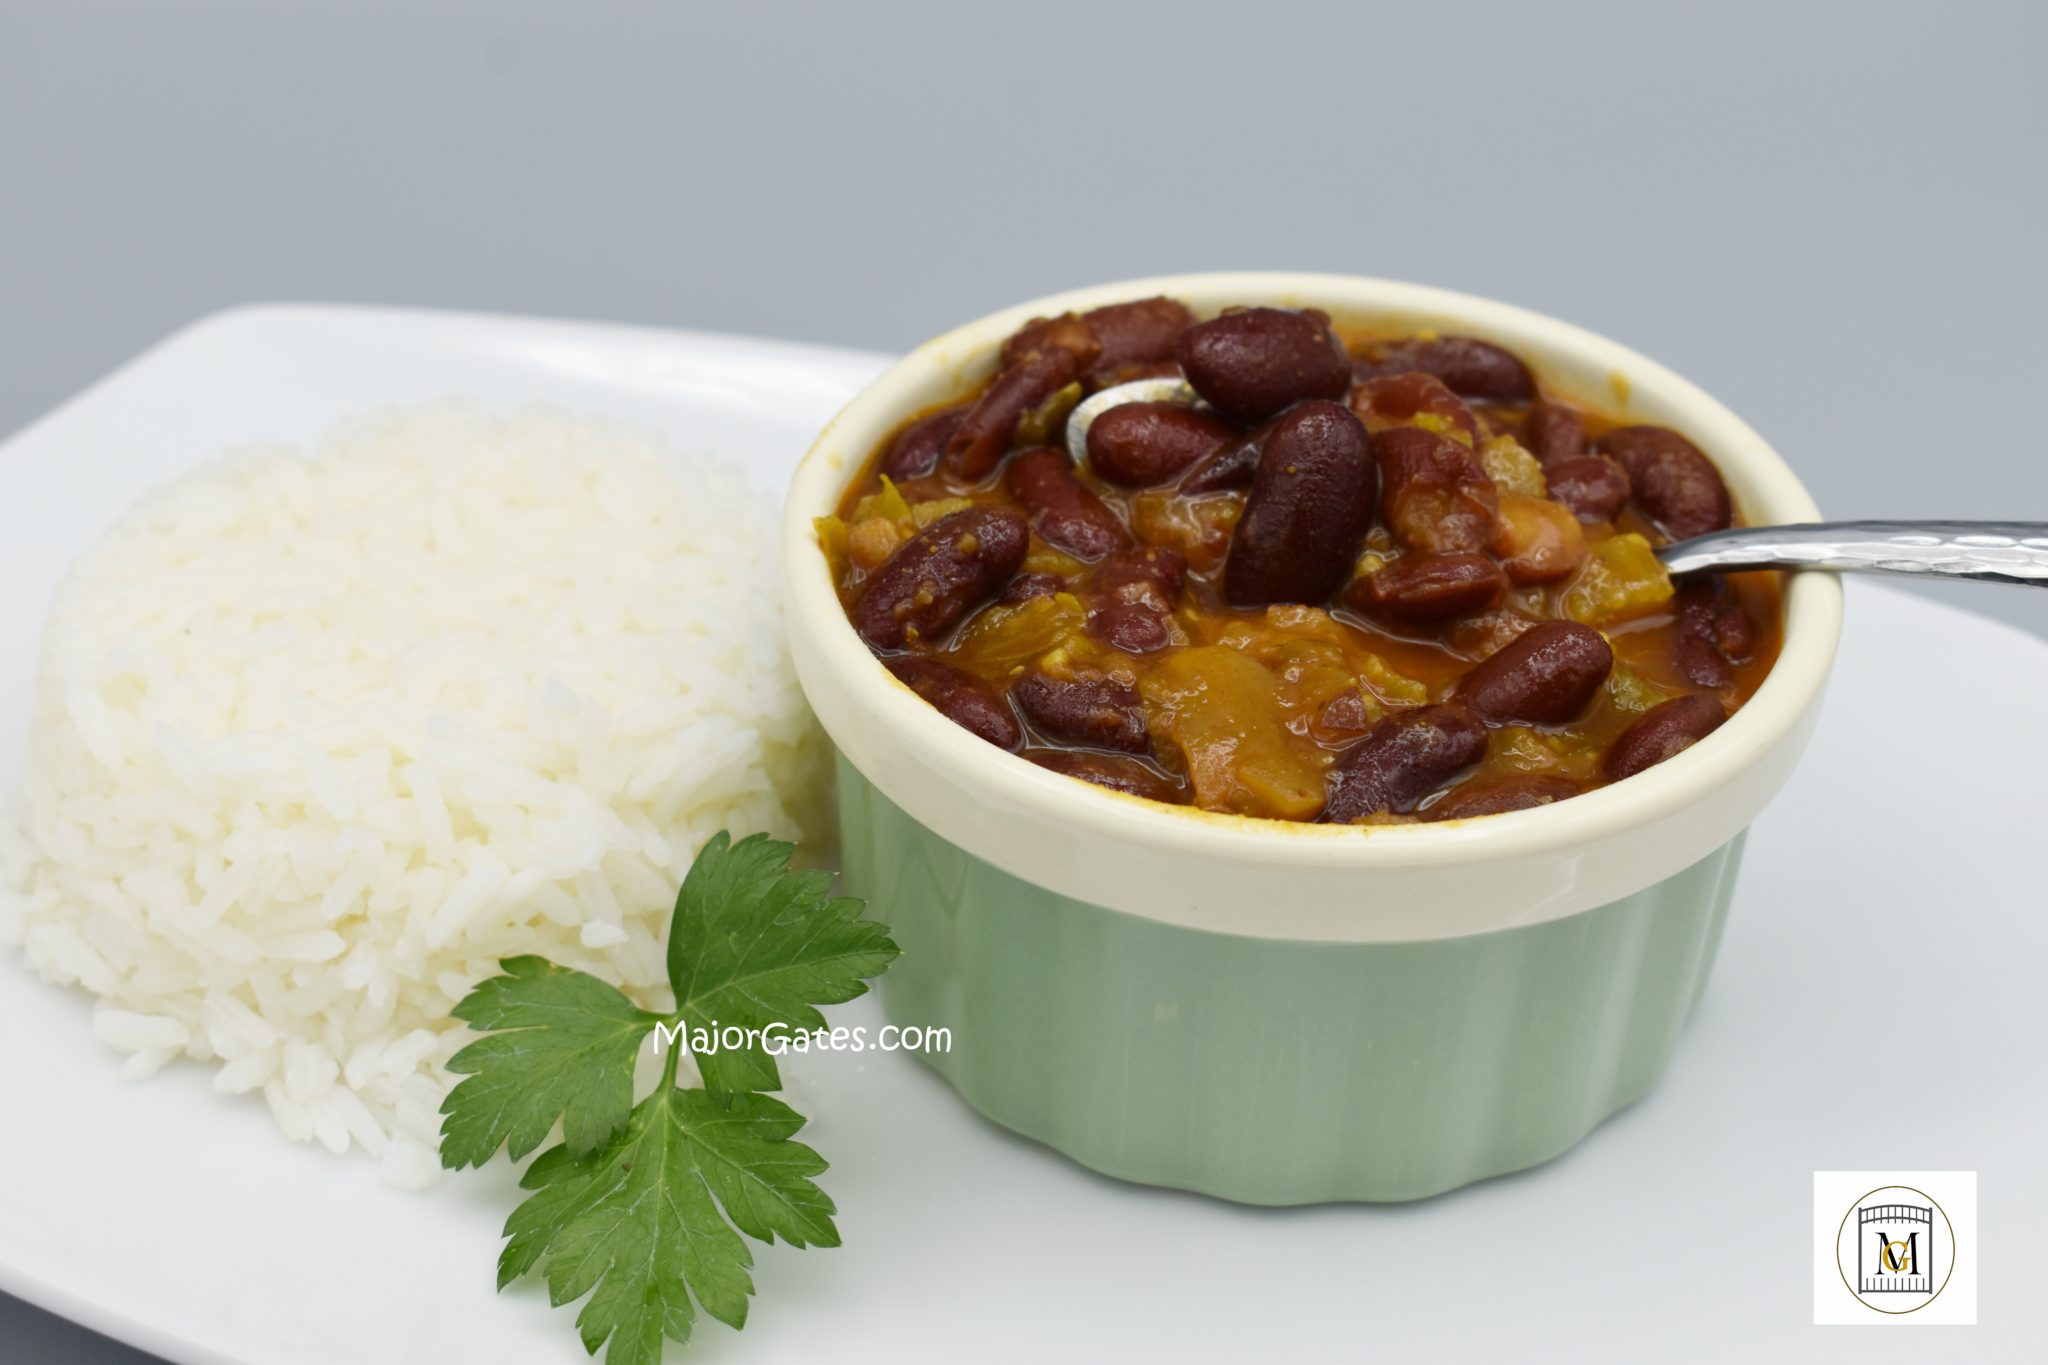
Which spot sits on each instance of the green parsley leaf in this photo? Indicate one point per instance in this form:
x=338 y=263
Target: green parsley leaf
x=637 y=1207
x=754 y=943
x=559 y=1044
x=646 y=1223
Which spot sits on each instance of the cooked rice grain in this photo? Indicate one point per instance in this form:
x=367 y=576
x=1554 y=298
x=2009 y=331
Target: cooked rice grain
x=318 y=740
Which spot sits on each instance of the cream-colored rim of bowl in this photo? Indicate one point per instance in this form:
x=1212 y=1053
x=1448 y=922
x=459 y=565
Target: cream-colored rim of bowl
x=1569 y=358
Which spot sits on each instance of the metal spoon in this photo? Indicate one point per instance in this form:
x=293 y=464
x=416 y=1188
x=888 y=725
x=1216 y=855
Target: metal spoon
x=1990 y=551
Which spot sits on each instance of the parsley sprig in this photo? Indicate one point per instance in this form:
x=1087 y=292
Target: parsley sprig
x=641 y=1206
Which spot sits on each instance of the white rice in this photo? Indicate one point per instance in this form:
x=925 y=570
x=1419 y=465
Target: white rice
x=319 y=739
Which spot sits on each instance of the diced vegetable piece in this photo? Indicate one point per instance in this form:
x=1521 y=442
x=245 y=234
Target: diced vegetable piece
x=1390 y=685
x=1513 y=469
x=1221 y=709
x=1443 y=426
x=1003 y=638
x=1304 y=649
x=1311 y=673
x=1198 y=527
x=888 y=503
x=1311 y=622
x=925 y=513
x=1263 y=635
x=1046 y=423
x=1536 y=751
x=1631 y=691
x=1622 y=578
x=869 y=543
x=832 y=540
x=1278 y=623
x=1044 y=558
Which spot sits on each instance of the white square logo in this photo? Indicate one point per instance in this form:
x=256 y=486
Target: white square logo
x=1894 y=1248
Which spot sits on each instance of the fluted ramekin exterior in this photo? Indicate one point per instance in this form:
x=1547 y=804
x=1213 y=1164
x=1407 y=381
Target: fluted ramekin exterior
x=1277 y=1071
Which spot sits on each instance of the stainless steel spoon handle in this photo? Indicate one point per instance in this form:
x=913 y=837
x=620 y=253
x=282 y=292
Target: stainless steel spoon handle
x=1990 y=551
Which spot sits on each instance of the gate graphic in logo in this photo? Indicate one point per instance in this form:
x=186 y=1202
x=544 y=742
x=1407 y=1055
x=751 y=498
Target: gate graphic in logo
x=1895 y=1249
x=1903 y=1258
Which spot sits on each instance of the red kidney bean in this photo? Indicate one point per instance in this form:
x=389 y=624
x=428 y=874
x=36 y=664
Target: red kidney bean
x=960 y=697
x=1593 y=486
x=1132 y=629
x=1402 y=759
x=1661 y=732
x=915 y=451
x=1148 y=574
x=1697 y=602
x=1498 y=795
x=1398 y=400
x=1251 y=363
x=1135 y=336
x=1502 y=795
x=1099 y=713
x=1471 y=367
x=1676 y=485
x=1113 y=771
x=1713 y=632
x=1231 y=466
x=1063 y=510
x=1735 y=632
x=1131 y=596
x=940 y=575
x=1436 y=496
x=1140 y=444
x=1544 y=676
x=1065 y=332
x=1026 y=586
x=1702 y=662
x=977 y=444
x=1553 y=432
x=1424 y=587
x=1536 y=540
x=1311 y=502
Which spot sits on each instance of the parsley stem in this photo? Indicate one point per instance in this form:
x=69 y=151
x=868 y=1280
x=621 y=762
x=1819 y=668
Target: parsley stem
x=668 y=1066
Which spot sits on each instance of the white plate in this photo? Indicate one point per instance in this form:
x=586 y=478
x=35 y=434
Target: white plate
x=1876 y=1006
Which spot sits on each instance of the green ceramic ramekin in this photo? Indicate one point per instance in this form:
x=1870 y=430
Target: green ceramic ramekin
x=1279 y=1013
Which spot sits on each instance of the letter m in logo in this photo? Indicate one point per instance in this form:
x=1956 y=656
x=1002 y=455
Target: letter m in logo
x=1900 y=1258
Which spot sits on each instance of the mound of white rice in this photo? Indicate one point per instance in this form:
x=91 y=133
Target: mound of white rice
x=319 y=739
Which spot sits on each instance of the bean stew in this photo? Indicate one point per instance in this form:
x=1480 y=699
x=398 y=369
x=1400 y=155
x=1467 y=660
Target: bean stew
x=1367 y=578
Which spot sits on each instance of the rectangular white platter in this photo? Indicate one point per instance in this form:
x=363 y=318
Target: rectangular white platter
x=179 y=1220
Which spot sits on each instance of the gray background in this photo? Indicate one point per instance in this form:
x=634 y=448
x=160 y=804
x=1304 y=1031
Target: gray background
x=1829 y=215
